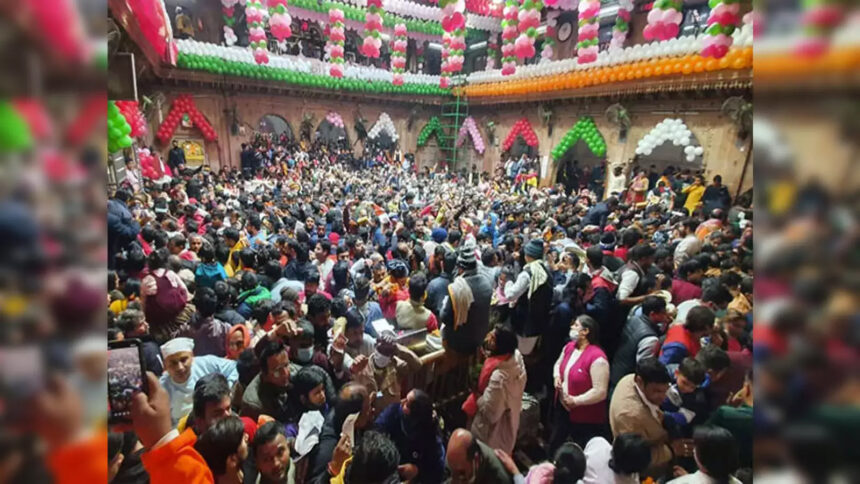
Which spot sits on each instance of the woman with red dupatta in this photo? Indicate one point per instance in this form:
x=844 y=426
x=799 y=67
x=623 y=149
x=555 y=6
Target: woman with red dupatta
x=638 y=189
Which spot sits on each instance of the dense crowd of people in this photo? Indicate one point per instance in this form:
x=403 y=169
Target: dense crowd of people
x=286 y=308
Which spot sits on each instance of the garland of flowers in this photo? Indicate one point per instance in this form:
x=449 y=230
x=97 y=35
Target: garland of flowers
x=492 y=52
x=454 y=38
x=622 y=24
x=184 y=105
x=372 y=25
x=398 y=54
x=383 y=125
x=664 y=20
x=583 y=129
x=529 y=21
x=521 y=128
x=509 y=35
x=586 y=48
x=433 y=127
x=279 y=21
x=819 y=19
x=256 y=34
x=227 y=12
x=336 y=39
x=469 y=127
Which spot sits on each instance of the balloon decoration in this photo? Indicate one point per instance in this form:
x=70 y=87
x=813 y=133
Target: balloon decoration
x=469 y=127
x=336 y=39
x=547 y=53
x=586 y=47
x=622 y=24
x=398 y=54
x=300 y=71
x=228 y=11
x=492 y=53
x=372 y=25
x=664 y=20
x=521 y=128
x=279 y=21
x=586 y=130
x=528 y=20
x=722 y=21
x=184 y=105
x=484 y=7
x=131 y=111
x=118 y=129
x=454 y=39
x=16 y=134
x=334 y=119
x=148 y=164
x=383 y=125
x=819 y=19
x=509 y=36
x=432 y=128
x=673 y=130
x=229 y=36
x=256 y=34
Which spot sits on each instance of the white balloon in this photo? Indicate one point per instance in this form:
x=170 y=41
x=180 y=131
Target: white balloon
x=691 y=157
x=647 y=152
x=685 y=141
x=688 y=150
x=699 y=151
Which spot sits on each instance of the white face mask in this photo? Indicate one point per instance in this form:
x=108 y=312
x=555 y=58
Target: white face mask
x=574 y=335
x=380 y=360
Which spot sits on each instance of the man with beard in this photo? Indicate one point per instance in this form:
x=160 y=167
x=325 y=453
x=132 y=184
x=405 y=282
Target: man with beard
x=224 y=447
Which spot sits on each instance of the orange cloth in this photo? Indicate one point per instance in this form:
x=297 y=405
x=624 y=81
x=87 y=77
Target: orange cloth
x=81 y=463
x=246 y=337
x=177 y=462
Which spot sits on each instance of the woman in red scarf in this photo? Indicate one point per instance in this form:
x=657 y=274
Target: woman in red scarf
x=238 y=338
x=581 y=377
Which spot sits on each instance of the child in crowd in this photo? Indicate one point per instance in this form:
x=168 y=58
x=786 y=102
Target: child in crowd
x=686 y=403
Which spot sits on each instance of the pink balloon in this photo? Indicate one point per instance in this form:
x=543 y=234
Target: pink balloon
x=670 y=31
x=655 y=15
x=400 y=29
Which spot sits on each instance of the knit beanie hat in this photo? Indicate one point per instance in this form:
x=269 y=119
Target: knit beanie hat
x=534 y=249
x=439 y=235
x=466 y=257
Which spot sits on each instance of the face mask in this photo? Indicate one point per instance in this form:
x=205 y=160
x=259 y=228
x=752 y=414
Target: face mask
x=380 y=360
x=574 y=335
x=305 y=354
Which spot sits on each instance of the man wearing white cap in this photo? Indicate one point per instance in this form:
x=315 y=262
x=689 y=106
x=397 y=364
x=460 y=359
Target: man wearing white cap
x=183 y=370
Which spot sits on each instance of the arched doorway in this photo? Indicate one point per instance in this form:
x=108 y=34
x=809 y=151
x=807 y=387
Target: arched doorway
x=669 y=144
x=332 y=131
x=580 y=156
x=276 y=126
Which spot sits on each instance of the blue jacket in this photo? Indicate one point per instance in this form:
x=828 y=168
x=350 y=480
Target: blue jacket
x=425 y=451
x=122 y=228
x=207 y=275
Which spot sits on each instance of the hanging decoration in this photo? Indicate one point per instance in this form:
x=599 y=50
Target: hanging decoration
x=509 y=35
x=492 y=52
x=673 y=130
x=398 y=54
x=383 y=125
x=228 y=11
x=336 y=38
x=664 y=20
x=131 y=111
x=722 y=21
x=469 y=127
x=372 y=25
x=279 y=22
x=586 y=47
x=528 y=21
x=819 y=19
x=548 y=52
x=118 y=129
x=256 y=34
x=454 y=38
x=432 y=128
x=334 y=119
x=622 y=24
x=586 y=130
x=184 y=105
x=521 y=128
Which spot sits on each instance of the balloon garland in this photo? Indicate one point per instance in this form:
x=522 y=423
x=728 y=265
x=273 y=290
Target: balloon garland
x=586 y=48
x=228 y=8
x=118 y=129
x=584 y=129
x=547 y=53
x=528 y=21
x=16 y=134
x=334 y=119
x=279 y=21
x=372 y=25
x=398 y=54
x=819 y=19
x=184 y=105
x=521 y=128
x=256 y=34
x=673 y=130
x=622 y=24
x=492 y=53
x=433 y=127
x=509 y=35
x=664 y=20
x=454 y=39
x=130 y=110
x=336 y=38
x=469 y=127
x=383 y=125
x=721 y=24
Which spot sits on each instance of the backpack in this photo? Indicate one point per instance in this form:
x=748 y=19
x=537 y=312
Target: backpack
x=168 y=301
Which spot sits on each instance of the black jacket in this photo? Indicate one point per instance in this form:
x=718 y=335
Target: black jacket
x=469 y=336
x=175 y=157
x=122 y=228
x=635 y=330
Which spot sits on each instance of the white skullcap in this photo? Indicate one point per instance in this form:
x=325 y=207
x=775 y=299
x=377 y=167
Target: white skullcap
x=176 y=345
x=89 y=345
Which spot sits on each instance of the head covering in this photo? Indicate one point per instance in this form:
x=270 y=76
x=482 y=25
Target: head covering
x=397 y=268
x=439 y=235
x=466 y=257
x=534 y=249
x=176 y=345
x=250 y=427
x=246 y=338
x=334 y=238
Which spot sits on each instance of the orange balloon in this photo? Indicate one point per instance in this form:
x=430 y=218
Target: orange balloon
x=712 y=64
x=739 y=63
x=724 y=62
x=699 y=66
x=648 y=71
x=687 y=68
x=677 y=67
